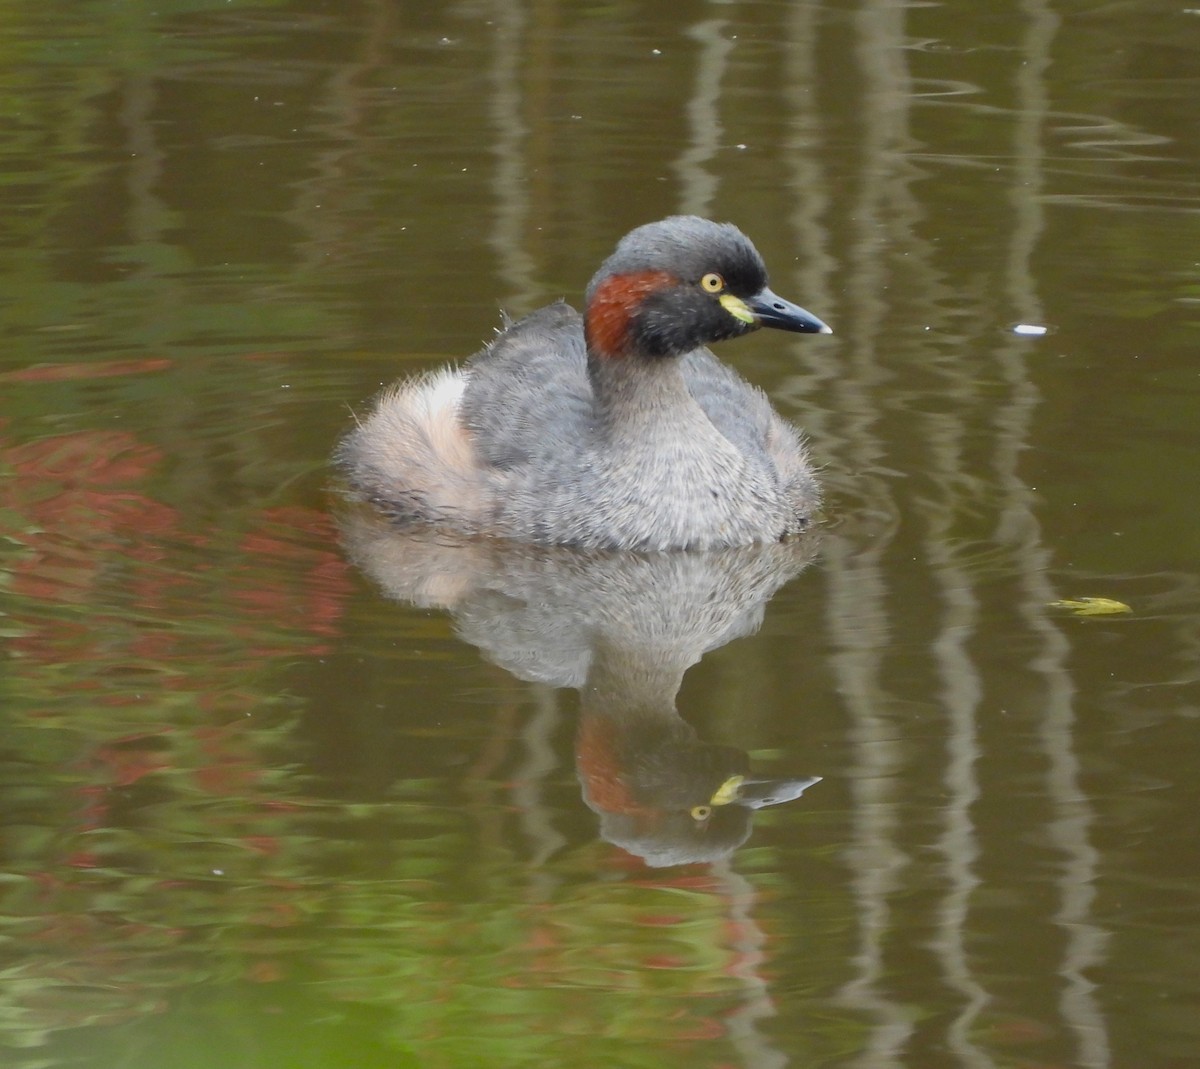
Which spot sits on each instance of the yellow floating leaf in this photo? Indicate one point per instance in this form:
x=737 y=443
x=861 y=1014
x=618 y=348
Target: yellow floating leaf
x=1091 y=606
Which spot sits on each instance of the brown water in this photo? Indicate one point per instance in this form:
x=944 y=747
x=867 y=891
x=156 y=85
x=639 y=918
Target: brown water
x=281 y=788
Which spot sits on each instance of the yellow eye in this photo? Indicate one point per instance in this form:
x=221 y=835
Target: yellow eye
x=712 y=283
x=701 y=812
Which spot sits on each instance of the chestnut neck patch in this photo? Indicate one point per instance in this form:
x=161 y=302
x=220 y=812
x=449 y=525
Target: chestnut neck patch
x=610 y=313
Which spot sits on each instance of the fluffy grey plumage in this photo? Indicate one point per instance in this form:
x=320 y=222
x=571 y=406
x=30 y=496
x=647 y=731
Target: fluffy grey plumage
x=619 y=431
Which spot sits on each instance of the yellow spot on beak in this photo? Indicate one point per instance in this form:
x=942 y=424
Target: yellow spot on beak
x=737 y=308
x=728 y=791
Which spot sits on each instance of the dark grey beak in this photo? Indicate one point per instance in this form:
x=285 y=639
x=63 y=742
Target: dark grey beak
x=771 y=310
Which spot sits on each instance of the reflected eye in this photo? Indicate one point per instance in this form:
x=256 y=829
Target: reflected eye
x=701 y=812
x=712 y=283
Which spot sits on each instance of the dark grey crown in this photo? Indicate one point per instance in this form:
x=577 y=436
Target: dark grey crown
x=688 y=247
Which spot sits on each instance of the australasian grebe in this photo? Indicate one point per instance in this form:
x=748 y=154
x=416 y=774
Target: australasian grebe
x=614 y=430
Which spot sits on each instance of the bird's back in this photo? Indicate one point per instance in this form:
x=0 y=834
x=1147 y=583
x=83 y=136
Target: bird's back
x=528 y=392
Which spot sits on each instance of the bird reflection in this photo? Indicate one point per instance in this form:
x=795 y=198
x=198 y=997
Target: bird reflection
x=622 y=629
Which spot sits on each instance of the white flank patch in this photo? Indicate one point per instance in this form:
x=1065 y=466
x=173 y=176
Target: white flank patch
x=436 y=394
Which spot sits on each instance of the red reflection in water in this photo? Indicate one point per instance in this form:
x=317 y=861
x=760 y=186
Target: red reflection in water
x=154 y=644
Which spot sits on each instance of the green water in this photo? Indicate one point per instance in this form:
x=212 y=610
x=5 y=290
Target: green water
x=279 y=789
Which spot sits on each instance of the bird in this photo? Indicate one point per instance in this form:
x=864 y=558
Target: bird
x=617 y=429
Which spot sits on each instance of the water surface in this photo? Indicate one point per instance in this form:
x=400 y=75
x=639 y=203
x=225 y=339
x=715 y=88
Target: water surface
x=278 y=787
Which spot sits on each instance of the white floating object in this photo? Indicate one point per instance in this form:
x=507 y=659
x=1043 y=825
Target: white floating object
x=1030 y=329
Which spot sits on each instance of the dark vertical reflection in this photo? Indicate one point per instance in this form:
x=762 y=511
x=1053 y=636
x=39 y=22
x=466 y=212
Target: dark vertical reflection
x=512 y=180
x=1072 y=818
x=858 y=615
x=805 y=151
x=750 y=967
x=705 y=129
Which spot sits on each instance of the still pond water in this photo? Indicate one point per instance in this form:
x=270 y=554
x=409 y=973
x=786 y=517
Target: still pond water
x=280 y=787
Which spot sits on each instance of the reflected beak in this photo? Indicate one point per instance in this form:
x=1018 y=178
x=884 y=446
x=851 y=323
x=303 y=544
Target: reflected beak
x=771 y=310
x=757 y=793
